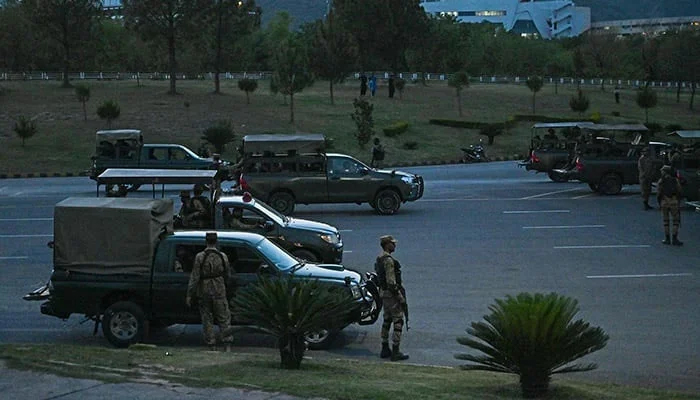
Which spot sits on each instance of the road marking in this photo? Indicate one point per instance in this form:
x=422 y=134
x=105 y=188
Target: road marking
x=637 y=276
x=535 y=211
x=584 y=196
x=609 y=246
x=344 y=230
x=24 y=236
x=13 y=258
x=347 y=251
x=563 y=226
x=548 y=193
x=25 y=219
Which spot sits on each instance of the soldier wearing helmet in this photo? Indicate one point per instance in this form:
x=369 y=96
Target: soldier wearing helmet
x=393 y=296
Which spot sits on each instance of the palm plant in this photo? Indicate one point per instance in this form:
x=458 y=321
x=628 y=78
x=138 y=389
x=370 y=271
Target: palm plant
x=25 y=128
x=219 y=135
x=109 y=110
x=459 y=81
x=248 y=86
x=534 y=83
x=532 y=336
x=289 y=309
x=646 y=99
x=579 y=103
x=82 y=93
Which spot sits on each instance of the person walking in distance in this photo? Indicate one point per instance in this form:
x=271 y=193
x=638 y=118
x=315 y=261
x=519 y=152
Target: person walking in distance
x=669 y=195
x=391 y=289
x=377 y=153
x=363 y=84
x=208 y=284
x=645 y=166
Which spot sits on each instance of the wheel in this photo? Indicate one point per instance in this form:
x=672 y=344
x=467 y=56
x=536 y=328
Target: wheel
x=320 y=340
x=555 y=176
x=282 y=202
x=388 y=202
x=123 y=324
x=610 y=184
x=593 y=186
x=305 y=255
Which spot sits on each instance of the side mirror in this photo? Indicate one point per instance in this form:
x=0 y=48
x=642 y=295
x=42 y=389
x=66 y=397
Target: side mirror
x=364 y=171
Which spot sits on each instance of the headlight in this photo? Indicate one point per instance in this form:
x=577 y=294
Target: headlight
x=355 y=290
x=331 y=238
x=407 y=179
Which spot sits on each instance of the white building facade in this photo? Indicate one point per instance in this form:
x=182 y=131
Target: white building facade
x=547 y=19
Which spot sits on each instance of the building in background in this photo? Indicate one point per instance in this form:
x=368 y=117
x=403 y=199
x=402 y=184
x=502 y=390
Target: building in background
x=547 y=19
x=647 y=26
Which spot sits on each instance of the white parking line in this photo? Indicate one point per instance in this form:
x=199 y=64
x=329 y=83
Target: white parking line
x=24 y=236
x=14 y=258
x=25 y=219
x=584 y=196
x=563 y=226
x=637 y=276
x=607 y=246
x=347 y=251
x=548 y=193
x=344 y=230
x=535 y=211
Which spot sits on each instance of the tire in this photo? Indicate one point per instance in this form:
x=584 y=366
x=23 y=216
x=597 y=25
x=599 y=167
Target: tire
x=282 y=202
x=593 y=186
x=610 y=184
x=305 y=255
x=556 y=177
x=123 y=324
x=388 y=202
x=320 y=340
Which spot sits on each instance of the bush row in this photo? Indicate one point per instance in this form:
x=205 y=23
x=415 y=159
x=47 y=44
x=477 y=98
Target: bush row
x=395 y=129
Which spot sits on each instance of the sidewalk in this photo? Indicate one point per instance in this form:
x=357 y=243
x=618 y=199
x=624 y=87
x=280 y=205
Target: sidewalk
x=16 y=384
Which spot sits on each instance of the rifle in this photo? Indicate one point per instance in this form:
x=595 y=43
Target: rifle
x=405 y=307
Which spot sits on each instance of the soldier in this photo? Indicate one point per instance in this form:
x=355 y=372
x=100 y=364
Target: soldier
x=391 y=289
x=238 y=223
x=669 y=195
x=182 y=219
x=645 y=166
x=201 y=208
x=208 y=283
x=676 y=160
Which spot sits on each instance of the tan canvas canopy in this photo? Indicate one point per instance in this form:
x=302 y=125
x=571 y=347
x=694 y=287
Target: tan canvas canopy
x=112 y=136
x=109 y=235
x=302 y=143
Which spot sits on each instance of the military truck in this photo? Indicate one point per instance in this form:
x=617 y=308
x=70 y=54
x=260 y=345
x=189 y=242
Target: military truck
x=284 y=170
x=115 y=263
x=689 y=171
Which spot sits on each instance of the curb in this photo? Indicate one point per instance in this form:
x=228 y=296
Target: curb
x=43 y=175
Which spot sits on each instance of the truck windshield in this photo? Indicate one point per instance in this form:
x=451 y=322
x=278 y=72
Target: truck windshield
x=276 y=255
x=271 y=212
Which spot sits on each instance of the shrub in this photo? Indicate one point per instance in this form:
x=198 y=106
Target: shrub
x=364 y=121
x=248 y=86
x=533 y=336
x=457 y=124
x=219 y=135
x=109 y=110
x=82 y=93
x=579 y=103
x=459 y=81
x=646 y=99
x=491 y=131
x=395 y=129
x=534 y=83
x=410 y=145
x=595 y=117
x=288 y=309
x=25 y=128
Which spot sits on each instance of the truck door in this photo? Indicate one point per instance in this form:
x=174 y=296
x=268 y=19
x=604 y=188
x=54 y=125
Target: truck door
x=157 y=157
x=171 y=275
x=309 y=182
x=348 y=180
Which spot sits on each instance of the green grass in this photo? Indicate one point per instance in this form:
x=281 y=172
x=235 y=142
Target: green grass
x=319 y=376
x=65 y=142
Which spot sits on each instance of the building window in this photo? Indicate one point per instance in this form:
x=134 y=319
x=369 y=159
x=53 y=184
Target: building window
x=467 y=13
x=489 y=13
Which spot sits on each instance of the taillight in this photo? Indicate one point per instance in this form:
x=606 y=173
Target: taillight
x=243 y=184
x=579 y=164
x=533 y=157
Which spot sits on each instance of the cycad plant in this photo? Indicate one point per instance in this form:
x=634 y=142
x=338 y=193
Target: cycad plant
x=289 y=309
x=532 y=336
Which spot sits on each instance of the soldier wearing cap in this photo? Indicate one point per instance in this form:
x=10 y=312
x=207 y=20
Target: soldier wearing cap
x=645 y=166
x=669 y=194
x=182 y=219
x=201 y=208
x=391 y=289
x=208 y=284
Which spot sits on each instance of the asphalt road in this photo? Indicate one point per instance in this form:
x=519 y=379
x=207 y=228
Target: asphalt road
x=480 y=232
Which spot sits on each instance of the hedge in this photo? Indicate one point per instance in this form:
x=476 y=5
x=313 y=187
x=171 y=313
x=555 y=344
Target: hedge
x=507 y=124
x=395 y=129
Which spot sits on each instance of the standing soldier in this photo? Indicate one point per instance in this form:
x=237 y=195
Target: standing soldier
x=182 y=219
x=201 y=209
x=208 y=284
x=393 y=296
x=645 y=165
x=669 y=195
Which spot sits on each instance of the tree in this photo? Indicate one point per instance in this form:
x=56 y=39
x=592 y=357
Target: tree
x=491 y=131
x=219 y=135
x=646 y=99
x=459 y=81
x=558 y=65
x=579 y=64
x=533 y=336
x=16 y=37
x=25 y=128
x=534 y=83
x=579 y=103
x=82 y=93
x=363 y=120
x=334 y=52
x=248 y=86
x=168 y=20
x=291 y=70
x=109 y=110
x=71 y=23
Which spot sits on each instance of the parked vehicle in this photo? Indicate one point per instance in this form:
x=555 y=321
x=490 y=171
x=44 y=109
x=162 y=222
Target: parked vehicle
x=284 y=170
x=114 y=262
x=689 y=172
x=474 y=153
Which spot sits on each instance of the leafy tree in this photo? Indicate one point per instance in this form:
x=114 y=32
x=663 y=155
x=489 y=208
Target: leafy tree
x=579 y=103
x=533 y=336
x=71 y=23
x=291 y=70
x=559 y=64
x=25 y=128
x=16 y=37
x=363 y=120
x=646 y=99
x=219 y=135
x=109 y=110
x=82 y=93
x=459 y=81
x=534 y=83
x=334 y=52
x=602 y=53
x=248 y=86
x=579 y=64
x=168 y=20
x=289 y=309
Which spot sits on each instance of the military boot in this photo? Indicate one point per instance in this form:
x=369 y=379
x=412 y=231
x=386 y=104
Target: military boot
x=386 y=351
x=667 y=240
x=647 y=206
x=397 y=355
x=676 y=242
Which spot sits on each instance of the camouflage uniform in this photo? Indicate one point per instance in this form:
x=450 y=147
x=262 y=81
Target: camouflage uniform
x=391 y=286
x=201 y=210
x=208 y=282
x=669 y=195
x=645 y=165
x=183 y=216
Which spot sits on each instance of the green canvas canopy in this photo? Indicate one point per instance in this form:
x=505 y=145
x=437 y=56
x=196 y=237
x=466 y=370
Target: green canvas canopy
x=301 y=143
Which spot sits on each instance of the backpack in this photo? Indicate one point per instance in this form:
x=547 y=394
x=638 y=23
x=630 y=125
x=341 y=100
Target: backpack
x=669 y=188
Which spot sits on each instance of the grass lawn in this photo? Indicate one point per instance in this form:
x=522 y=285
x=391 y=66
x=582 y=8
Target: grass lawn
x=65 y=142
x=319 y=376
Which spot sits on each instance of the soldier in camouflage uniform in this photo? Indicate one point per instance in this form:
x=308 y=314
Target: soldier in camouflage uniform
x=645 y=165
x=201 y=209
x=391 y=289
x=208 y=282
x=669 y=196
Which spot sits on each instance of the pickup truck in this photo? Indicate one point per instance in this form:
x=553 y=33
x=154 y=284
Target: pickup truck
x=115 y=263
x=284 y=170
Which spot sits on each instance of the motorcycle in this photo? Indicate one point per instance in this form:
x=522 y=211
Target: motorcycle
x=474 y=153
